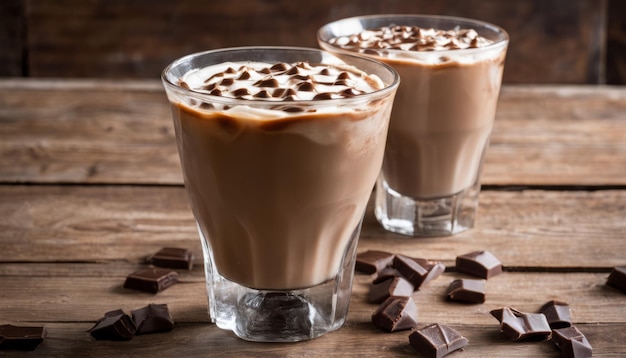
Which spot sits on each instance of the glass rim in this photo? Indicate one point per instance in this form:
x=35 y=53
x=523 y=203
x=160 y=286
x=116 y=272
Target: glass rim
x=490 y=26
x=379 y=93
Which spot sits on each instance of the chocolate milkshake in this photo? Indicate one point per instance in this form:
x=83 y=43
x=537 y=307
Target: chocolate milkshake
x=451 y=71
x=279 y=160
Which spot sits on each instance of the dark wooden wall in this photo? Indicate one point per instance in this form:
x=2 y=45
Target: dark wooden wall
x=552 y=41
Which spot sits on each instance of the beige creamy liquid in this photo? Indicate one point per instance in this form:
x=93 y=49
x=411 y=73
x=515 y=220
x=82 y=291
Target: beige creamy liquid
x=440 y=126
x=279 y=200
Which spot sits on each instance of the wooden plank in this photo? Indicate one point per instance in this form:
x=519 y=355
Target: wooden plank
x=141 y=40
x=88 y=132
x=616 y=43
x=546 y=230
x=57 y=298
x=197 y=339
x=69 y=310
x=558 y=136
x=12 y=38
x=103 y=131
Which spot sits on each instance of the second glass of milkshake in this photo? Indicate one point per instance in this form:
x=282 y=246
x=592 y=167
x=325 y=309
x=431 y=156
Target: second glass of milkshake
x=451 y=71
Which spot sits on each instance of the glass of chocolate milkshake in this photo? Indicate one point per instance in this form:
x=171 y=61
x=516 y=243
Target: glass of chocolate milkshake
x=450 y=70
x=280 y=150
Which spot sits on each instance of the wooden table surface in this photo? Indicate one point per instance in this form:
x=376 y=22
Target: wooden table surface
x=90 y=184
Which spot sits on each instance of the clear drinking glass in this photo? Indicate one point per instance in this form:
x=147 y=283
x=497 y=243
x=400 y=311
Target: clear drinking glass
x=440 y=125
x=279 y=190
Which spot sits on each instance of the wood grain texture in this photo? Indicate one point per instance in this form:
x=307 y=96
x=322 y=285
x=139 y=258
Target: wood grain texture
x=104 y=191
x=57 y=298
x=534 y=229
x=83 y=132
x=69 y=310
x=199 y=339
x=557 y=41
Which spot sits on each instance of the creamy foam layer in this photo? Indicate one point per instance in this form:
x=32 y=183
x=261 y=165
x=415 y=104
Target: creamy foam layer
x=413 y=43
x=411 y=38
x=281 y=81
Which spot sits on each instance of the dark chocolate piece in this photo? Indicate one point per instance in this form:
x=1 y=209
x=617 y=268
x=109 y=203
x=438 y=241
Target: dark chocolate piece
x=522 y=326
x=467 y=290
x=373 y=261
x=557 y=313
x=172 y=257
x=571 y=342
x=436 y=340
x=434 y=271
x=387 y=273
x=481 y=264
x=21 y=338
x=152 y=319
x=413 y=271
x=115 y=326
x=396 y=314
x=617 y=278
x=151 y=279
x=393 y=286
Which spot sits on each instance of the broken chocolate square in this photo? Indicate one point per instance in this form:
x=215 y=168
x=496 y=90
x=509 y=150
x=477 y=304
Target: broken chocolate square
x=522 y=326
x=393 y=286
x=172 y=257
x=151 y=279
x=152 y=319
x=373 y=261
x=437 y=340
x=396 y=314
x=387 y=273
x=481 y=264
x=557 y=313
x=410 y=269
x=115 y=325
x=571 y=342
x=617 y=278
x=21 y=338
x=467 y=290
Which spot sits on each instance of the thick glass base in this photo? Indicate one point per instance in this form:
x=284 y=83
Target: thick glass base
x=280 y=315
x=425 y=217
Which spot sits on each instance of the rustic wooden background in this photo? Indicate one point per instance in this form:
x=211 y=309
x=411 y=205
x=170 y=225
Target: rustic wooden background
x=552 y=41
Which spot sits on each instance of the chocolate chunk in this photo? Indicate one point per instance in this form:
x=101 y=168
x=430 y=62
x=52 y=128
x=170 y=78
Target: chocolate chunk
x=557 y=313
x=115 y=326
x=172 y=257
x=482 y=264
x=267 y=82
x=323 y=95
x=571 y=342
x=227 y=82
x=434 y=270
x=396 y=314
x=617 y=278
x=467 y=290
x=410 y=269
x=152 y=318
x=393 y=286
x=387 y=273
x=437 y=340
x=522 y=326
x=240 y=92
x=373 y=261
x=306 y=86
x=21 y=338
x=151 y=279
